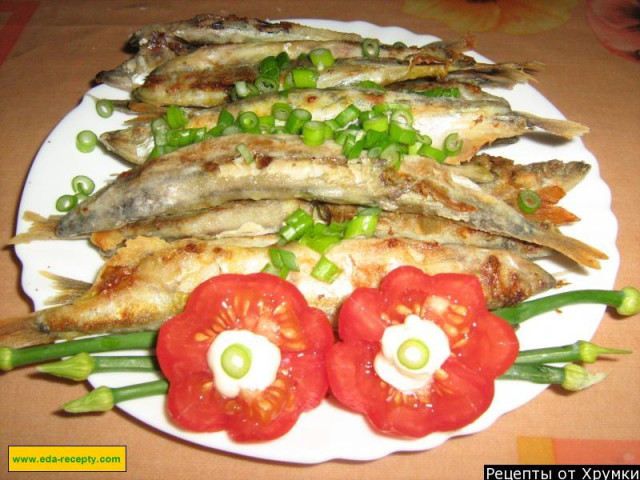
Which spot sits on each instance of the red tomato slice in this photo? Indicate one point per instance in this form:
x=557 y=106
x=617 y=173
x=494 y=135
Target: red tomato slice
x=482 y=347
x=263 y=304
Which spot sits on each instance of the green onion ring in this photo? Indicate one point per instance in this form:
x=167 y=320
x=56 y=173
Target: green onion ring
x=82 y=184
x=529 y=201
x=86 y=141
x=370 y=48
x=104 y=107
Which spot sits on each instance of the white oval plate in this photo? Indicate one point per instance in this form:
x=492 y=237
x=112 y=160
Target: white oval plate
x=329 y=432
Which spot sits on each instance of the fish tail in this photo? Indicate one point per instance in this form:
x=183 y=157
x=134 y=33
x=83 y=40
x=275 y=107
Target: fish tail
x=41 y=228
x=69 y=289
x=18 y=332
x=576 y=250
x=562 y=128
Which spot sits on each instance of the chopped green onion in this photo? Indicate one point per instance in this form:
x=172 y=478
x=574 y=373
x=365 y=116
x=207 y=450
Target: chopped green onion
x=402 y=116
x=370 y=48
x=325 y=270
x=321 y=242
x=363 y=223
x=225 y=118
x=179 y=138
x=377 y=123
x=392 y=154
x=348 y=115
x=177 y=117
x=269 y=67
x=313 y=133
x=242 y=89
x=82 y=184
x=371 y=84
x=231 y=130
x=281 y=111
x=529 y=201
x=65 y=203
x=321 y=58
x=248 y=121
x=245 y=152
x=413 y=354
x=296 y=224
x=428 y=151
x=159 y=125
x=402 y=133
x=104 y=107
x=283 y=259
x=304 y=78
x=453 y=144
x=236 y=360
x=283 y=61
x=86 y=141
x=265 y=84
x=296 y=120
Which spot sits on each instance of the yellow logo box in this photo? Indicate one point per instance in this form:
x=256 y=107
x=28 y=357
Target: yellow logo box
x=67 y=458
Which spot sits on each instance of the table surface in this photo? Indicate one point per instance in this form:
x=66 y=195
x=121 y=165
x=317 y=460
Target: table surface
x=50 y=52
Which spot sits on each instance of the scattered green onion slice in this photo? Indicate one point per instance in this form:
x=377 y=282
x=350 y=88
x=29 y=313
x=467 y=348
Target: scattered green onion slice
x=236 y=360
x=313 y=133
x=266 y=84
x=428 y=151
x=86 y=141
x=176 y=116
x=283 y=259
x=370 y=48
x=296 y=120
x=348 y=115
x=269 y=67
x=245 y=152
x=377 y=123
x=225 y=118
x=296 y=225
x=104 y=107
x=402 y=133
x=321 y=58
x=82 y=184
x=325 y=270
x=529 y=201
x=304 y=78
x=413 y=354
x=248 y=121
x=363 y=223
x=400 y=45
x=283 y=61
x=371 y=84
x=281 y=111
x=453 y=144
x=66 y=203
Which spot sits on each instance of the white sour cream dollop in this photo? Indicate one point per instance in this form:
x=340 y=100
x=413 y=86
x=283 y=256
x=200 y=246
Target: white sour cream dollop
x=389 y=367
x=263 y=369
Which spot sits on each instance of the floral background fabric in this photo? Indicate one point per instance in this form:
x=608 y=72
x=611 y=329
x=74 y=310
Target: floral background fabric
x=615 y=23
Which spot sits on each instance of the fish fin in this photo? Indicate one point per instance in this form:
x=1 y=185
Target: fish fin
x=42 y=228
x=68 y=289
x=576 y=250
x=18 y=332
x=562 y=128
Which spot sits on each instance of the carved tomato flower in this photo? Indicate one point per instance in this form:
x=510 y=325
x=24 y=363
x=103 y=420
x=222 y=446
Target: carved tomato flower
x=420 y=353
x=516 y=17
x=247 y=355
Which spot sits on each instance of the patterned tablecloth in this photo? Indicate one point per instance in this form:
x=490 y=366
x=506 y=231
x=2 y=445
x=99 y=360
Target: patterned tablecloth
x=49 y=52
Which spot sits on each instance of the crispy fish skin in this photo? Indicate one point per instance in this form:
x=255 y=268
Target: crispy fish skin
x=211 y=173
x=478 y=118
x=156 y=44
x=149 y=280
x=262 y=217
x=205 y=77
x=207 y=29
